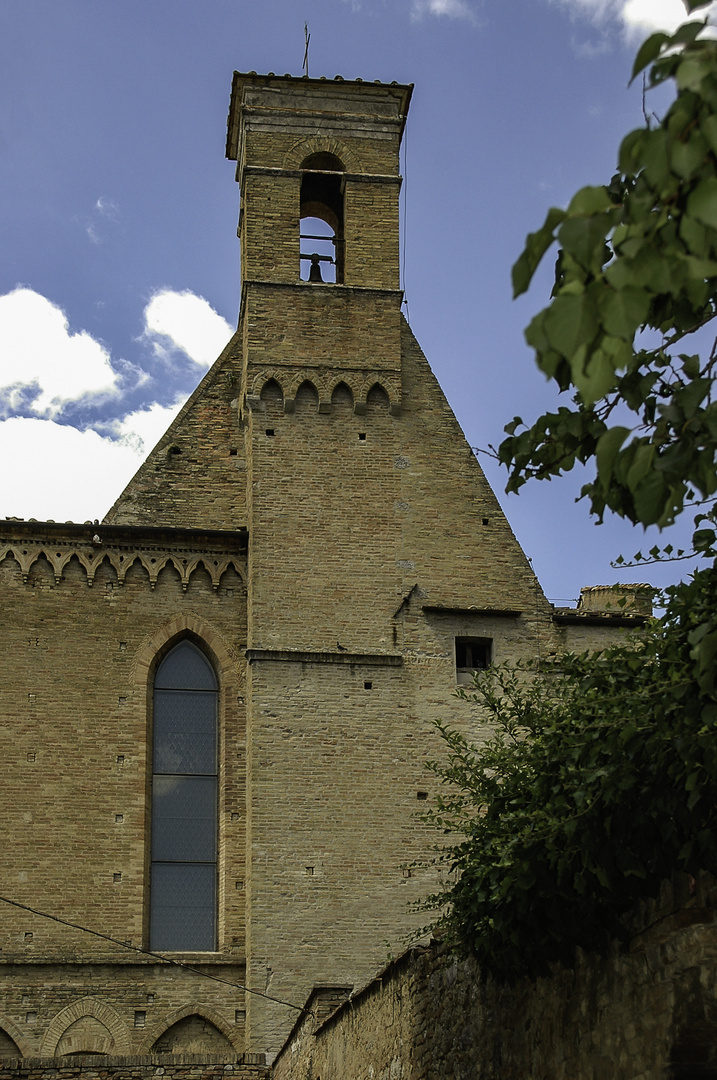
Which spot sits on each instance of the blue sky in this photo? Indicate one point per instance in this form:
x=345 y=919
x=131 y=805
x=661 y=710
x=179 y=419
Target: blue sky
x=119 y=263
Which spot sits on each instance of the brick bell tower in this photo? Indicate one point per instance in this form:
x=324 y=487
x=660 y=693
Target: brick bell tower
x=375 y=543
x=320 y=325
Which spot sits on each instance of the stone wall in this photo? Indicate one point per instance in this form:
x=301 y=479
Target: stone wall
x=180 y=1067
x=642 y=1012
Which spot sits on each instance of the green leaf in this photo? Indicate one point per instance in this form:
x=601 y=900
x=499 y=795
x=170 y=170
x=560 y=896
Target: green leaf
x=655 y=159
x=691 y=72
x=536 y=245
x=687 y=157
x=584 y=238
x=607 y=447
x=570 y=320
x=708 y=127
x=590 y=200
x=702 y=203
x=647 y=52
x=623 y=311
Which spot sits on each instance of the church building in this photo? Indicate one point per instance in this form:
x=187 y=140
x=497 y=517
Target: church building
x=216 y=705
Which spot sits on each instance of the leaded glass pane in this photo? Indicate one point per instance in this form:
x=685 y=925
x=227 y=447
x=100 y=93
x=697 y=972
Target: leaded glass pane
x=183 y=907
x=184 y=818
x=185 y=731
x=184 y=803
x=185 y=668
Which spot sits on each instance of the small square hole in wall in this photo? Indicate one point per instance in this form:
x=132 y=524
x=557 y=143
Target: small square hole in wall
x=120 y=759
x=486 y=521
x=31 y=756
x=119 y=818
x=122 y=701
x=31 y=699
x=31 y=1018
x=309 y=871
x=123 y=646
x=270 y=431
x=240 y=1016
x=239 y=885
x=368 y=685
x=236 y=816
x=472 y=654
x=140 y=1017
x=362 y=436
x=406 y=872
x=28 y=936
x=150 y=999
x=117 y=877
x=421 y=795
x=232 y=451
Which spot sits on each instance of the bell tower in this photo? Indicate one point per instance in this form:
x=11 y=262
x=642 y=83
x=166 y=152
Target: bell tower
x=320 y=326
x=307 y=150
x=380 y=567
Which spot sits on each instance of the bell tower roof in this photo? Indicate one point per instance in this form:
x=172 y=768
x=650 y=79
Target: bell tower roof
x=345 y=103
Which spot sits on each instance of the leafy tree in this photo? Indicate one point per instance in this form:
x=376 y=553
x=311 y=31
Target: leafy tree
x=600 y=779
x=598 y=783
x=636 y=279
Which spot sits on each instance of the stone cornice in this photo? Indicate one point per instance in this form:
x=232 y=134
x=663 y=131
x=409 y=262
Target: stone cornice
x=299 y=656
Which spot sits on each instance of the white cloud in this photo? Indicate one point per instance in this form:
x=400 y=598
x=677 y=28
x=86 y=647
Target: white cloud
x=67 y=475
x=43 y=360
x=451 y=9
x=183 y=320
x=71 y=475
x=143 y=429
x=636 y=17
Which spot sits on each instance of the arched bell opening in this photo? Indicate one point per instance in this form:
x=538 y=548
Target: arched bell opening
x=321 y=209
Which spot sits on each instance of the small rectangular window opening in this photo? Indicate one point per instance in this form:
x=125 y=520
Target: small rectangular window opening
x=270 y=431
x=362 y=436
x=368 y=685
x=472 y=654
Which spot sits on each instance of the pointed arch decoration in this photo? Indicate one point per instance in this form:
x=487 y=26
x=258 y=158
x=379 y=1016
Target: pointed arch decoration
x=88 y=1006
x=13 y=1032
x=212 y=1016
x=187 y=624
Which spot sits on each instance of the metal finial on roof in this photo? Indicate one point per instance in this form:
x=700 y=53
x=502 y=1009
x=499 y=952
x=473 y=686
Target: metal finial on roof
x=307 y=39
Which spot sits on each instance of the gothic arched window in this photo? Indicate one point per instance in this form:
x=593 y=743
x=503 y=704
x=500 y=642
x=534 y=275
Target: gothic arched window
x=183 y=883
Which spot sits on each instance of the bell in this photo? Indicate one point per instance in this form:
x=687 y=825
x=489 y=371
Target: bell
x=315 y=269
